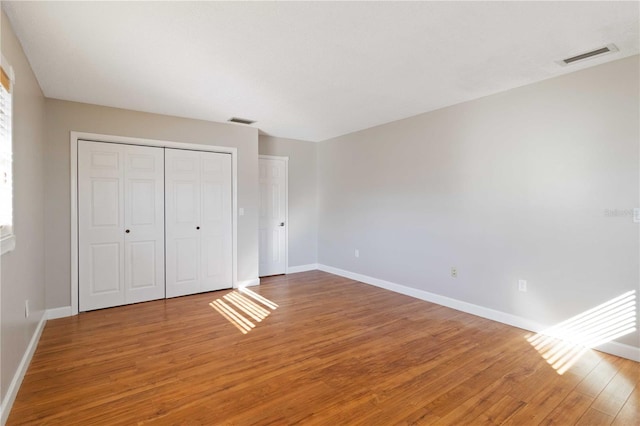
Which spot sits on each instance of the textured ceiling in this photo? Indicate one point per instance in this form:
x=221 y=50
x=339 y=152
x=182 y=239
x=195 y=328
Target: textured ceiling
x=312 y=70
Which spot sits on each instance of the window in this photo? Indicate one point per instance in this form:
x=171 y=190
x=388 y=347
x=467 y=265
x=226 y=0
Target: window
x=7 y=239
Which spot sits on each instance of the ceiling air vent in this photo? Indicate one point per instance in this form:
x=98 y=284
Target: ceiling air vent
x=583 y=56
x=240 y=120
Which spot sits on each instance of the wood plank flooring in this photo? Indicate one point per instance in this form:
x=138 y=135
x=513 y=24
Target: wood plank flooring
x=334 y=352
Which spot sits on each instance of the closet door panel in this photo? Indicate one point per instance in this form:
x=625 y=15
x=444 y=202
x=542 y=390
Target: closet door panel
x=182 y=215
x=100 y=225
x=144 y=223
x=216 y=221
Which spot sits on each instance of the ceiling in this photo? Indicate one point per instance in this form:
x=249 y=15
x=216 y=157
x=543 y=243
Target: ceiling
x=310 y=70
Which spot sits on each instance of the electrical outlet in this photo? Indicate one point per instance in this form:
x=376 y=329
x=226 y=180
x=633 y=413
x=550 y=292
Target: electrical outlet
x=454 y=272
x=522 y=285
x=26 y=308
x=356 y=253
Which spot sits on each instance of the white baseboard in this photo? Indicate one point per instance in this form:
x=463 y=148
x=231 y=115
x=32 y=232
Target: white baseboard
x=449 y=302
x=62 y=312
x=14 y=386
x=302 y=268
x=613 y=348
x=621 y=350
x=248 y=283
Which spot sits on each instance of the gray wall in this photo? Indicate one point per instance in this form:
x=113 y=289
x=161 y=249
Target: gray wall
x=62 y=117
x=507 y=187
x=303 y=209
x=22 y=270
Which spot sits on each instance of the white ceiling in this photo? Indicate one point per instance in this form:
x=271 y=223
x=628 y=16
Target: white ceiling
x=311 y=70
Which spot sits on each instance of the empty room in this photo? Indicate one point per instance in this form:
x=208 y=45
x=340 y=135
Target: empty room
x=320 y=213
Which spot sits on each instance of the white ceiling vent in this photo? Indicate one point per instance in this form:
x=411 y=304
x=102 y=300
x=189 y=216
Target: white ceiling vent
x=240 y=120
x=609 y=48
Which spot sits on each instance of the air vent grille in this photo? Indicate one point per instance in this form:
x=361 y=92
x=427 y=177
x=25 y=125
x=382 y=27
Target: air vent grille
x=240 y=120
x=581 y=57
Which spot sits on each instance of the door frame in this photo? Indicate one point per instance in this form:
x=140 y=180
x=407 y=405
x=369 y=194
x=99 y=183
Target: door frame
x=96 y=137
x=285 y=160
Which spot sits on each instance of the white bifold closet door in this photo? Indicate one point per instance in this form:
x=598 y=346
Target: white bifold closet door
x=198 y=221
x=120 y=224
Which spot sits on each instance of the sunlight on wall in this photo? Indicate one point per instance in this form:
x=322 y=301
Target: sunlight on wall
x=563 y=344
x=236 y=308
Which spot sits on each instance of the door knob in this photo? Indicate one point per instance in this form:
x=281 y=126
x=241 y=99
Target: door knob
x=127 y=231
x=197 y=227
x=281 y=223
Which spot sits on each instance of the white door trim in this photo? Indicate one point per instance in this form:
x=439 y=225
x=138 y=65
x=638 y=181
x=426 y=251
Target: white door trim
x=73 y=142
x=286 y=202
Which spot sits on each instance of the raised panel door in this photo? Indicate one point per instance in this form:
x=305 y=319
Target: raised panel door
x=272 y=217
x=144 y=223
x=182 y=215
x=100 y=225
x=215 y=229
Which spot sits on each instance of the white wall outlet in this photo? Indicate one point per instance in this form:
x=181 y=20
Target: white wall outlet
x=454 y=272
x=356 y=253
x=26 y=308
x=522 y=285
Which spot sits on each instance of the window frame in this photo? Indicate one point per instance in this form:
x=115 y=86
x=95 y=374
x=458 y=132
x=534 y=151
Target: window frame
x=7 y=233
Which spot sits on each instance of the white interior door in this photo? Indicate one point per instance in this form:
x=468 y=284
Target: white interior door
x=182 y=215
x=100 y=225
x=273 y=216
x=144 y=223
x=215 y=223
x=120 y=224
x=198 y=222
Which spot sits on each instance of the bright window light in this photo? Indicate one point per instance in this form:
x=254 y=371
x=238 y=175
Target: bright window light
x=7 y=239
x=563 y=344
x=241 y=310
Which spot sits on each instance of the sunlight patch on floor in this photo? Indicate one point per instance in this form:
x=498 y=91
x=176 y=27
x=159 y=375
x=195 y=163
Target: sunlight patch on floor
x=563 y=344
x=242 y=311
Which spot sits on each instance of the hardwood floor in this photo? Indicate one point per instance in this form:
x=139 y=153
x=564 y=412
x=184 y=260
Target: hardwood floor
x=334 y=352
